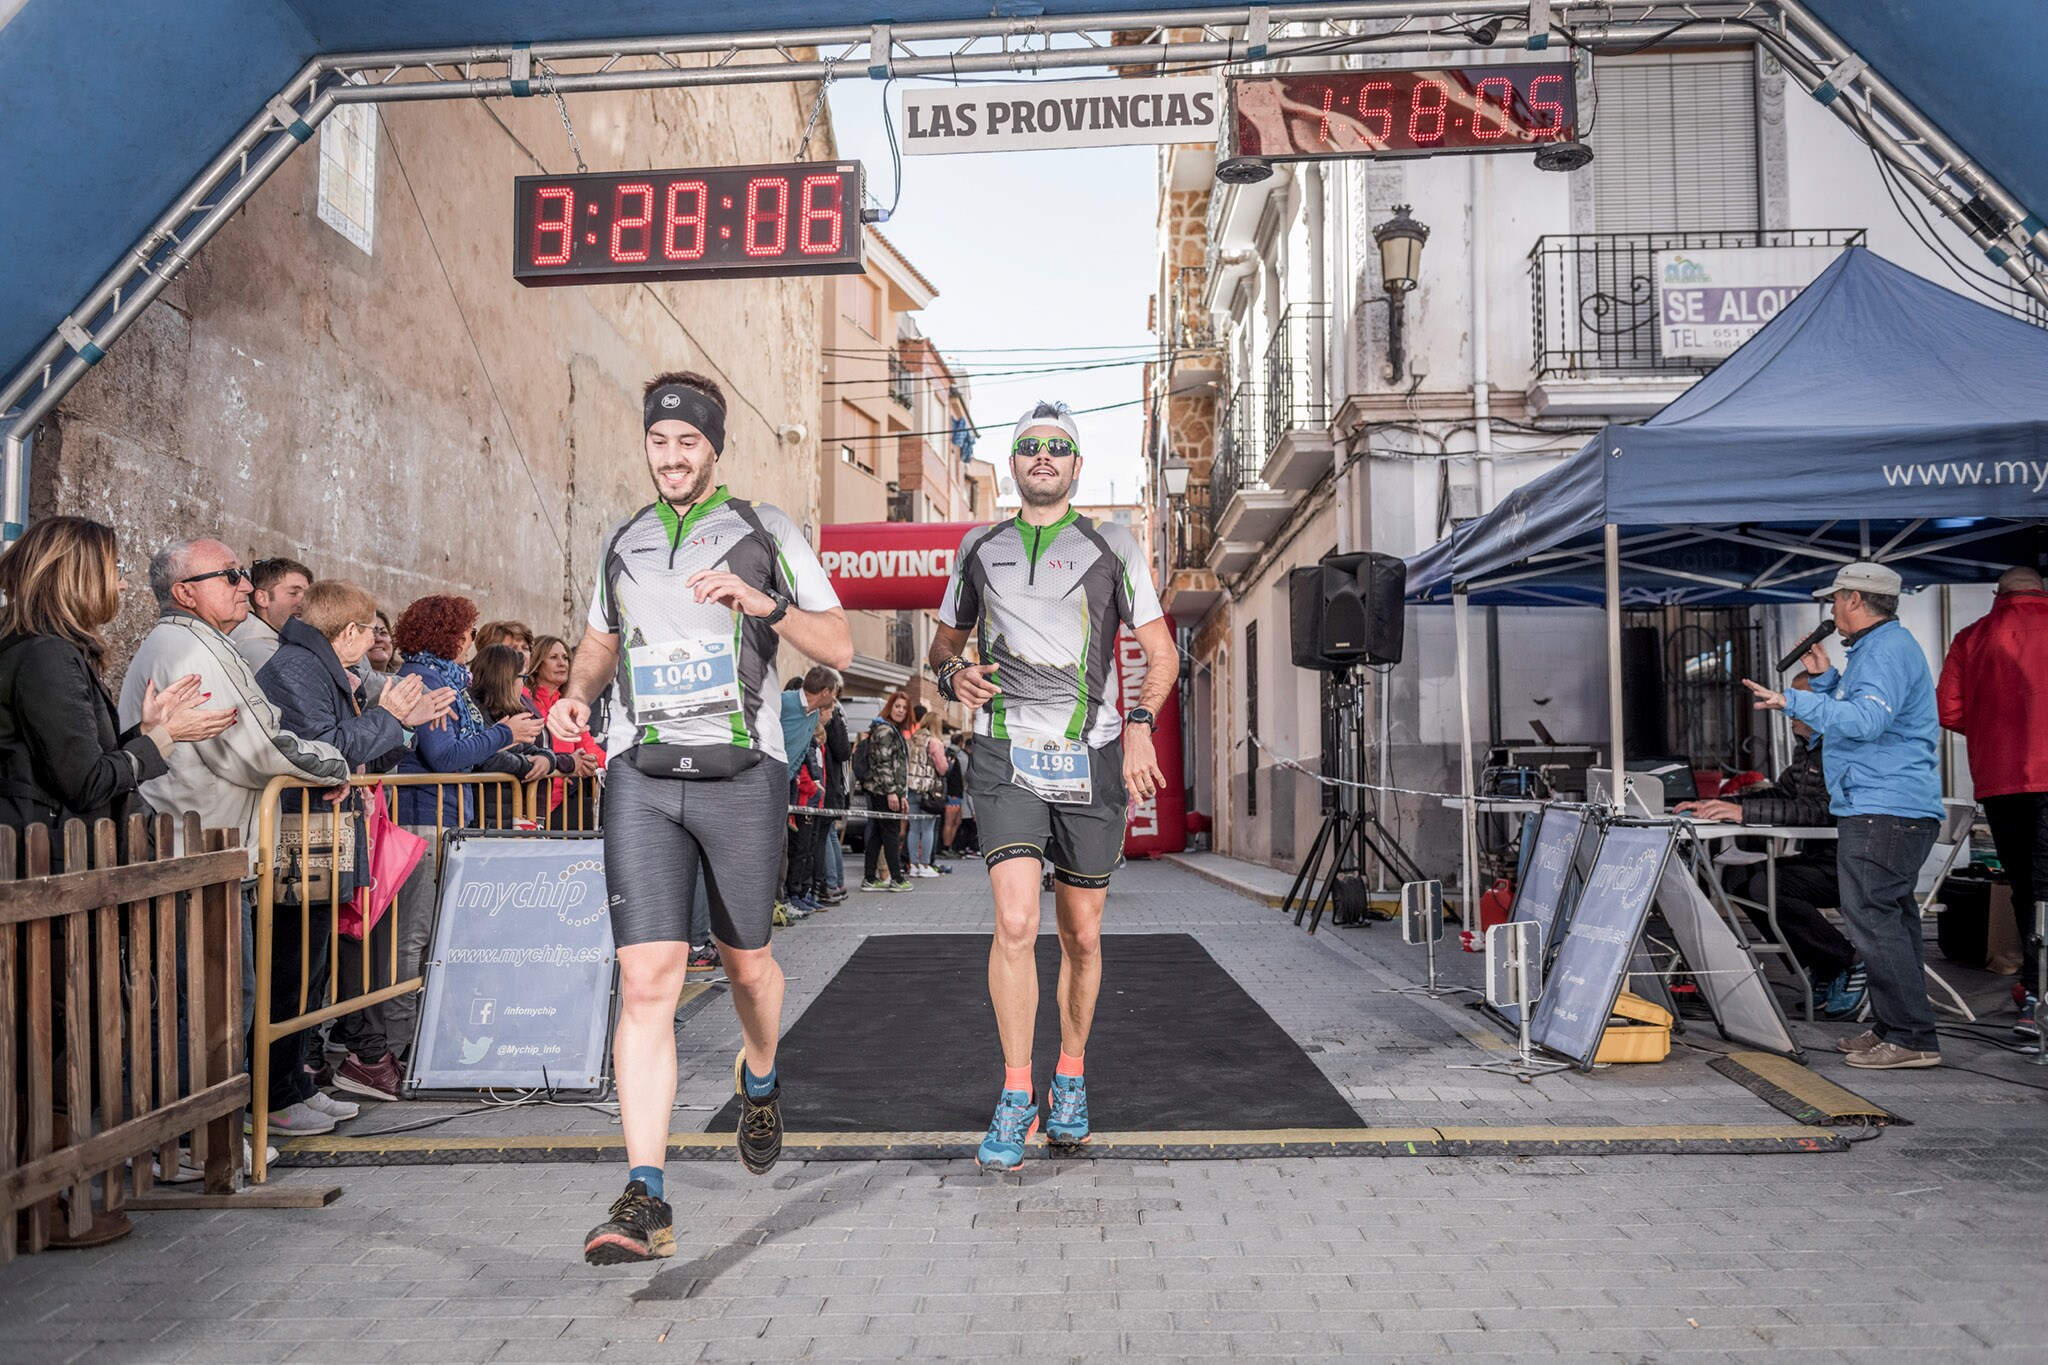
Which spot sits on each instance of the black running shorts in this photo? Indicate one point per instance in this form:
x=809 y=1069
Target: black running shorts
x=1084 y=844
x=662 y=833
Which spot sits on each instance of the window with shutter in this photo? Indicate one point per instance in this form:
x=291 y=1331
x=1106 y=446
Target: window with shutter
x=1675 y=144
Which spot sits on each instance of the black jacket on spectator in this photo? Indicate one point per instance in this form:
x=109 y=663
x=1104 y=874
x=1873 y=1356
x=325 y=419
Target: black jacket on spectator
x=62 y=750
x=1798 y=798
x=838 y=761
x=315 y=699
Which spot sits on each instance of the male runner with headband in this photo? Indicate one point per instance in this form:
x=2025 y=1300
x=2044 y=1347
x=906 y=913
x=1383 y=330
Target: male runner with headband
x=1052 y=782
x=703 y=587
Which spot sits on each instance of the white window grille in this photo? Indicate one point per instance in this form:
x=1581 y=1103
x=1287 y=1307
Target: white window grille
x=1675 y=143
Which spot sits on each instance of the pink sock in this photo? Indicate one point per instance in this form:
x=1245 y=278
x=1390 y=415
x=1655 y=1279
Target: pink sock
x=1017 y=1078
x=1069 y=1066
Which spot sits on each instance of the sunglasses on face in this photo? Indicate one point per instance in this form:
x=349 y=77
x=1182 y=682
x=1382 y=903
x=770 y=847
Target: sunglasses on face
x=235 y=577
x=1058 y=447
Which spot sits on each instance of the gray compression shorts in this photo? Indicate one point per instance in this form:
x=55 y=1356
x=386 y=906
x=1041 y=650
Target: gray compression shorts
x=662 y=833
x=1083 y=844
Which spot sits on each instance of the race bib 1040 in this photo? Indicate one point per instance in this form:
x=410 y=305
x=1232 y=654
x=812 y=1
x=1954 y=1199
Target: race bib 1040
x=683 y=680
x=1051 y=769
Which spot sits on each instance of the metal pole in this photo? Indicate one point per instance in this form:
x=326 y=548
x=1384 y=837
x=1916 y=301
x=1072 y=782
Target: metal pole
x=1469 y=911
x=1616 y=763
x=2041 y=975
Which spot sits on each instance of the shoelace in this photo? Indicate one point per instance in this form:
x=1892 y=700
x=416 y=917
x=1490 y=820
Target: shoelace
x=1009 y=1122
x=761 y=1118
x=1069 y=1103
x=633 y=1209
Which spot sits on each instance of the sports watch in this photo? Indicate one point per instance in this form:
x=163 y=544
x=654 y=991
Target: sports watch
x=781 y=607
x=1141 y=715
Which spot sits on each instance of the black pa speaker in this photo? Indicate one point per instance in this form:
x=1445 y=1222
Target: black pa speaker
x=1347 y=610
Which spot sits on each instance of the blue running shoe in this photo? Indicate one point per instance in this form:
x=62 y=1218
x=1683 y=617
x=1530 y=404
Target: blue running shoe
x=1015 y=1123
x=1067 y=1124
x=1845 y=993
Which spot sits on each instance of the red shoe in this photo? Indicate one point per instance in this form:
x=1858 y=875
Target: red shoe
x=378 y=1080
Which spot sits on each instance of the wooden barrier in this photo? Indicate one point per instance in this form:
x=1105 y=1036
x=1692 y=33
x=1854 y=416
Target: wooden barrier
x=91 y=972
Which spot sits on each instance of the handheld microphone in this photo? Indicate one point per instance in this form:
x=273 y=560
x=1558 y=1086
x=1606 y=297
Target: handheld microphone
x=1820 y=632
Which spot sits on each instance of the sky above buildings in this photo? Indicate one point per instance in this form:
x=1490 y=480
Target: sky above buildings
x=1043 y=262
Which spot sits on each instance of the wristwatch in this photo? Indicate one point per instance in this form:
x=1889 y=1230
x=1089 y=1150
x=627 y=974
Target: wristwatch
x=781 y=607
x=1141 y=715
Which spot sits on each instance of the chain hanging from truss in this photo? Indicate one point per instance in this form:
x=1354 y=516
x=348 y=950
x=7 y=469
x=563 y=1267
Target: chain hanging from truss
x=547 y=83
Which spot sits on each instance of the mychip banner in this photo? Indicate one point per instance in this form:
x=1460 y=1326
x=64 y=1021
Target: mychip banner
x=519 y=974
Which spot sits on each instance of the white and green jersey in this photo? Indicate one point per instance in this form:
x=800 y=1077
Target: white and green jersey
x=696 y=673
x=1045 y=603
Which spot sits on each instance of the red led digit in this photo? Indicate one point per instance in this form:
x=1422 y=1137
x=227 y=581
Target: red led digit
x=640 y=221
x=776 y=191
x=675 y=222
x=1323 y=128
x=1385 y=117
x=1419 y=108
x=1505 y=102
x=829 y=209
x=1552 y=107
x=564 y=199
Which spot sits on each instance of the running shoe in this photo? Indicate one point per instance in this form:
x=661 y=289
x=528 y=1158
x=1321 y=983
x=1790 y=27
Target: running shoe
x=705 y=959
x=1067 y=1123
x=640 y=1228
x=760 y=1132
x=339 y=1110
x=1015 y=1123
x=880 y=885
x=294 y=1120
x=378 y=1080
x=1845 y=993
x=900 y=884
x=2025 y=1026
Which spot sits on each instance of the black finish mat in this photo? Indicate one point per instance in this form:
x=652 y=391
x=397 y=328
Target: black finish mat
x=903 y=1039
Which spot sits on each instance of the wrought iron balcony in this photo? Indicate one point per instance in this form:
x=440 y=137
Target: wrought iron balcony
x=1594 y=296
x=902 y=382
x=1188 y=526
x=1239 y=451
x=1297 y=389
x=903 y=640
x=1189 y=327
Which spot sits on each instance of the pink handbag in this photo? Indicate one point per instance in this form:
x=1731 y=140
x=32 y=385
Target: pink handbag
x=394 y=852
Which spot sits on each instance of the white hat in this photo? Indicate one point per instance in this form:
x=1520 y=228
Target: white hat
x=1863 y=577
x=1044 y=414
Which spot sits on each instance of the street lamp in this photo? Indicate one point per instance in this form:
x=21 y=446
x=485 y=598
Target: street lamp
x=1400 y=241
x=1173 y=473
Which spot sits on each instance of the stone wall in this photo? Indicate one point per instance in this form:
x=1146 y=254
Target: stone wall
x=411 y=418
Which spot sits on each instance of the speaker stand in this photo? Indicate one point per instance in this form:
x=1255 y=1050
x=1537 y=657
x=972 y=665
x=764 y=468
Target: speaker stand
x=1350 y=831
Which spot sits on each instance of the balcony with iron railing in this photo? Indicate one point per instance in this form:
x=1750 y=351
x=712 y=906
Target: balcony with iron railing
x=1297 y=445
x=1594 y=310
x=903 y=640
x=1244 y=510
x=902 y=382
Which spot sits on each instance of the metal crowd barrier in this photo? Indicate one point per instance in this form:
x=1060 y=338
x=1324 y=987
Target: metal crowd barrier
x=96 y=1072
x=298 y=822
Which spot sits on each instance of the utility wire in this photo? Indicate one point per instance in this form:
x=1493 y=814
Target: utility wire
x=511 y=430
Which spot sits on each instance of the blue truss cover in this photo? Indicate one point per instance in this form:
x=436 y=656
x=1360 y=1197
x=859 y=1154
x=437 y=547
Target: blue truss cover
x=1875 y=396
x=109 y=108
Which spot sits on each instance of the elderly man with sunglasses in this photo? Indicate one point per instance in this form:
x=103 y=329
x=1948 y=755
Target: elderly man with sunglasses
x=1045 y=595
x=202 y=594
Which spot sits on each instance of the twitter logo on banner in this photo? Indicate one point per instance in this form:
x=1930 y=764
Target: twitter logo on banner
x=472 y=1053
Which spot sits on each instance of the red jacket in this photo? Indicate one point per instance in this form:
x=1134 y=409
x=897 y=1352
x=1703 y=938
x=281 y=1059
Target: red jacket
x=1994 y=690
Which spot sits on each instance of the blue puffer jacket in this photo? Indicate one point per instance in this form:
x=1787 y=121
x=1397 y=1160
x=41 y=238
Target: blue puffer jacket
x=445 y=749
x=1879 y=718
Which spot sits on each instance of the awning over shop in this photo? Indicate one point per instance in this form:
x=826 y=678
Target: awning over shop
x=1879 y=416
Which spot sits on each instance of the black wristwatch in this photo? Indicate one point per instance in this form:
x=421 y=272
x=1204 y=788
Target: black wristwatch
x=1142 y=716
x=781 y=608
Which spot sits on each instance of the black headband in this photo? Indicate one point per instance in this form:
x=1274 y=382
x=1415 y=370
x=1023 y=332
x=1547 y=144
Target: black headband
x=685 y=404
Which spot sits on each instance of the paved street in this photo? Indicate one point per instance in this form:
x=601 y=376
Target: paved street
x=1924 y=1242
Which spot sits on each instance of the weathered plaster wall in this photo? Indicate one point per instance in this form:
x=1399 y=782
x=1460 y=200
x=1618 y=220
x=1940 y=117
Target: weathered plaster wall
x=412 y=419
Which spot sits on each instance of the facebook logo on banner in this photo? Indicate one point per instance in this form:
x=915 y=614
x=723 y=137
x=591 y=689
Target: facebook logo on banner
x=480 y=1012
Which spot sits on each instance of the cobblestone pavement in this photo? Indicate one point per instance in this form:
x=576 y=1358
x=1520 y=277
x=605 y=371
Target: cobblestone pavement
x=1925 y=1242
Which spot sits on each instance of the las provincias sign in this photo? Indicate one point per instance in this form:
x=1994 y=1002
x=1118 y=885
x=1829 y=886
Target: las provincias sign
x=1044 y=115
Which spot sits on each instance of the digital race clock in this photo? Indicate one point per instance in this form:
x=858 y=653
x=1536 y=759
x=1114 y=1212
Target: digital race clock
x=720 y=223
x=1396 y=113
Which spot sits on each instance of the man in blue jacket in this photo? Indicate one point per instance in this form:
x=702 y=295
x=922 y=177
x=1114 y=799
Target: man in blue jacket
x=1884 y=787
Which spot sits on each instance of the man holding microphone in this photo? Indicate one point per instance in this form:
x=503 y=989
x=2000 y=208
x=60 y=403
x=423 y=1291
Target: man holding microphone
x=1884 y=787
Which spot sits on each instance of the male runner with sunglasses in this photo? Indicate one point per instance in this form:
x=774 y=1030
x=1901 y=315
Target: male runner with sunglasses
x=695 y=594
x=1045 y=594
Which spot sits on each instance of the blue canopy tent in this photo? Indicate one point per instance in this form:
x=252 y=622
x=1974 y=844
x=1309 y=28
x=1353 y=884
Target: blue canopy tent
x=1879 y=416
